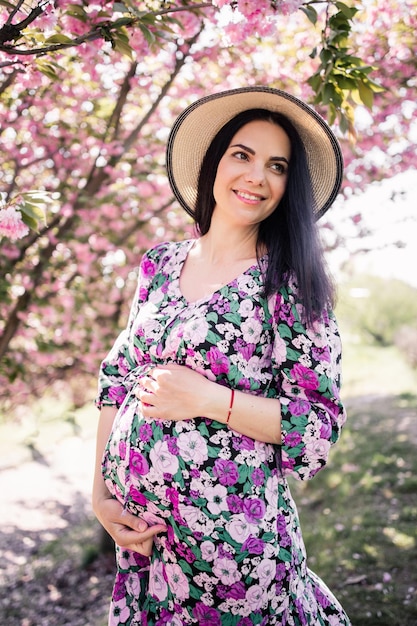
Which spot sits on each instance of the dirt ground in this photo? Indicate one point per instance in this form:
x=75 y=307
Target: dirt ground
x=48 y=537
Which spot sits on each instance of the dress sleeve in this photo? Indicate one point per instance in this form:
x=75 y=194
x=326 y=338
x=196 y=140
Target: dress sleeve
x=113 y=381
x=306 y=363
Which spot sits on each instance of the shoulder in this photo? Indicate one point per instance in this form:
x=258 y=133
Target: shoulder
x=290 y=305
x=160 y=255
x=165 y=250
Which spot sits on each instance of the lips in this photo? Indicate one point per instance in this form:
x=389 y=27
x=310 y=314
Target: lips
x=251 y=197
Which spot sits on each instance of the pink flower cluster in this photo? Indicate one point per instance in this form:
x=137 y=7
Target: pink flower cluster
x=11 y=223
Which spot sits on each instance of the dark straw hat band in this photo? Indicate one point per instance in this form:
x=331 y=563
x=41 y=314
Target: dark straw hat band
x=196 y=127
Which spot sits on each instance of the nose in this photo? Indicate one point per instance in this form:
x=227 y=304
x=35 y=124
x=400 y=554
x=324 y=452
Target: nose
x=255 y=173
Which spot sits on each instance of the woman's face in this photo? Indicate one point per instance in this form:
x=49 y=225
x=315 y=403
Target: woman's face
x=252 y=174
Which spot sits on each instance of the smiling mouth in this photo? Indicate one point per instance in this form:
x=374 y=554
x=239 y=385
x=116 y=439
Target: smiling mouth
x=248 y=196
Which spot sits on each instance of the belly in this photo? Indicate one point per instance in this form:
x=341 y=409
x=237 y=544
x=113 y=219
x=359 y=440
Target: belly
x=195 y=472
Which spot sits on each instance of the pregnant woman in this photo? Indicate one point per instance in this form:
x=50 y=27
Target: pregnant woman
x=226 y=378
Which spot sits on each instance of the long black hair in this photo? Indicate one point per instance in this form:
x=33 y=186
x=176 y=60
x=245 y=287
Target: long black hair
x=290 y=233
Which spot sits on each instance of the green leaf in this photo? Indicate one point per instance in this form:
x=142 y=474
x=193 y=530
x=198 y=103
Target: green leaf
x=332 y=114
x=149 y=36
x=343 y=123
x=47 y=68
x=76 y=11
x=33 y=212
x=122 y=21
x=348 y=12
x=328 y=93
x=120 y=45
x=325 y=56
x=29 y=221
x=119 y=7
x=311 y=13
x=58 y=39
x=315 y=82
x=366 y=94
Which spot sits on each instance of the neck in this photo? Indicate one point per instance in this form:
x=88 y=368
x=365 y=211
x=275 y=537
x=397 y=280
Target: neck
x=222 y=244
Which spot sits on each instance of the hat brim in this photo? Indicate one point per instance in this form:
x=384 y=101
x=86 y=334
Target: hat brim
x=196 y=127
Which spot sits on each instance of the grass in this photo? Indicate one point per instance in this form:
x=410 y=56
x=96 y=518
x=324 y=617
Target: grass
x=359 y=515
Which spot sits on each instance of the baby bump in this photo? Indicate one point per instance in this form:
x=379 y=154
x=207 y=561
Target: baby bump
x=144 y=458
x=196 y=471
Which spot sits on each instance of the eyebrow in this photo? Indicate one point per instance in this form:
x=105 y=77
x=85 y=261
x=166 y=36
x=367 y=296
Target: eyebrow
x=274 y=158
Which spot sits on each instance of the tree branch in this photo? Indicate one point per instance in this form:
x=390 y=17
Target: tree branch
x=10 y=32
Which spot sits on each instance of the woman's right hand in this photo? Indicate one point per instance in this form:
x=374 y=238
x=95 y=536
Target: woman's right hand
x=127 y=530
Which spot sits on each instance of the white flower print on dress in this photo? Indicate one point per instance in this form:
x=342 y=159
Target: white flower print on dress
x=240 y=529
x=193 y=447
x=216 y=499
x=195 y=330
x=157 y=583
x=162 y=460
x=246 y=307
x=177 y=581
x=226 y=570
x=266 y=571
x=251 y=330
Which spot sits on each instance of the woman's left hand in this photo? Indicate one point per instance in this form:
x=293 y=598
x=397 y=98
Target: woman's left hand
x=174 y=392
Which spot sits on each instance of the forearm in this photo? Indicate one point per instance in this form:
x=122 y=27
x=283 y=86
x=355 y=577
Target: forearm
x=254 y=416
x=107 y=415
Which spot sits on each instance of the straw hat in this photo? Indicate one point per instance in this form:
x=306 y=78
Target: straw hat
x=198 y=124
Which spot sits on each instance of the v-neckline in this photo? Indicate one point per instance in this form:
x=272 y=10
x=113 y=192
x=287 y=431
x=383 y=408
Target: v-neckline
x=189 y=244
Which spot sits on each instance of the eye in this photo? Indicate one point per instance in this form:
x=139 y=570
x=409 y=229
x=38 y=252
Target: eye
x=279 y=168
x=239 y=154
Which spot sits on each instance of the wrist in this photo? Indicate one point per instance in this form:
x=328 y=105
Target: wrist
x=218 y=404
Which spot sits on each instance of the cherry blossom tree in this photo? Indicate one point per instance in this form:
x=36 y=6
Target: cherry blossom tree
x=88 y=94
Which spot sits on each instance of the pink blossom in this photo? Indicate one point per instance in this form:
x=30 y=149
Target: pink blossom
x=266 y=572
x=208 y=551
x=11 y=224
x=240 y=529
x=136 y=496
x=254 y=510
x=317 y=450
x=206 y=615
x=226 y=471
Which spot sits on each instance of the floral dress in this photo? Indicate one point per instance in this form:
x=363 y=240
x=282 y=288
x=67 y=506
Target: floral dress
x=233 y=554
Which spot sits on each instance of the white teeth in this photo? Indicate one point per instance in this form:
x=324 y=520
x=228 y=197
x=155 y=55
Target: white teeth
x=248 y=196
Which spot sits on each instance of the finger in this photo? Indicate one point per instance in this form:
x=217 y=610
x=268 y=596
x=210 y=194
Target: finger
x=128 y=537
x=136 y=523
x=144 y=396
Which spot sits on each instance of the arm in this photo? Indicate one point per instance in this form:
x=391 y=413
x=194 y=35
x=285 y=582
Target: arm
x=307 y=373
x=114 y=383
x=176 y=392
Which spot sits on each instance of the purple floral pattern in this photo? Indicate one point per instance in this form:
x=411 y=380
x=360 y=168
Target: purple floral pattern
x=233 y=554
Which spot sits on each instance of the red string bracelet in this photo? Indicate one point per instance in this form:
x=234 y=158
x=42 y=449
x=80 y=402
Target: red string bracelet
x=232 y=397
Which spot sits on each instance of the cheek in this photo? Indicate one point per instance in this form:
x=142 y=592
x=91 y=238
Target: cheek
x=279 y=187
